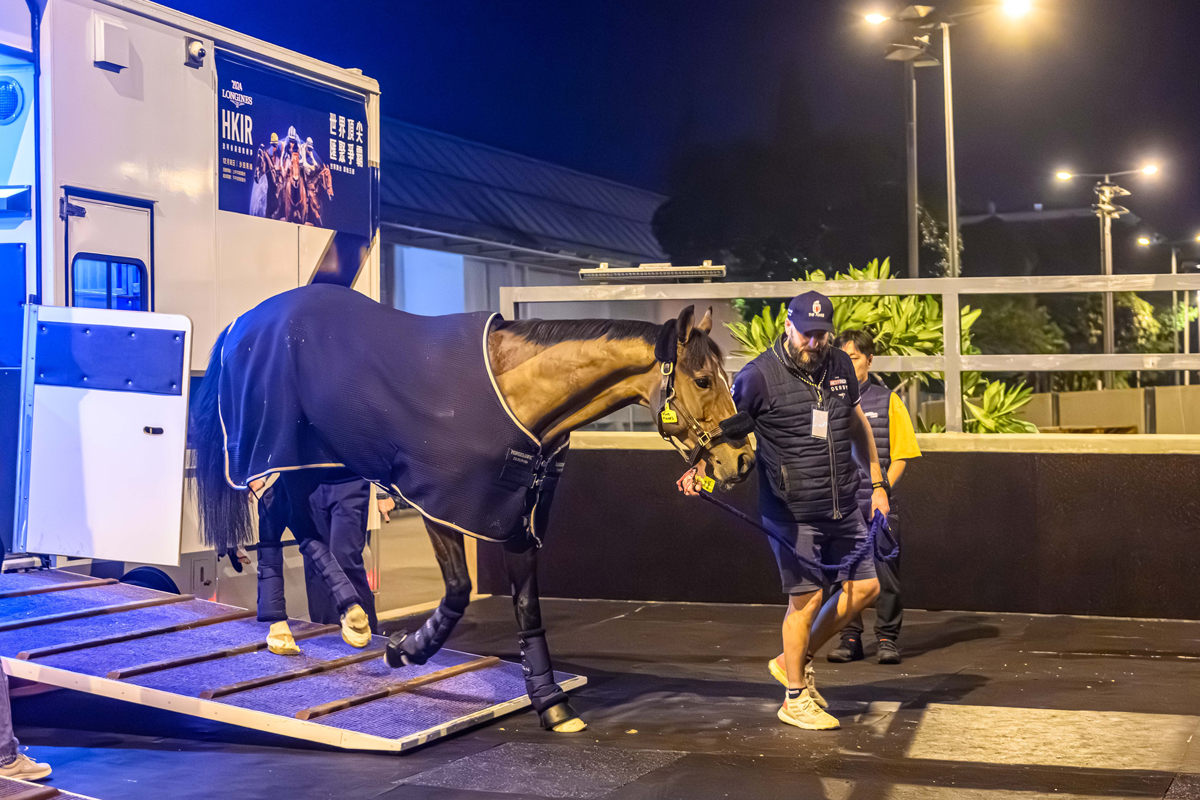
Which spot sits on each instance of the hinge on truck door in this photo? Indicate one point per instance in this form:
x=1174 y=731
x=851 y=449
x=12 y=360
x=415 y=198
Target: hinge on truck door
x=68 y=209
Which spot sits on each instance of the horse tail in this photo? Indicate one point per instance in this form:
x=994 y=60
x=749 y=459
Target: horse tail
x=224 y=511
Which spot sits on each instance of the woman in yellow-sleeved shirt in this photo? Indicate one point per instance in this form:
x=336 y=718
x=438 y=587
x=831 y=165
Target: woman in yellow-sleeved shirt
x=896 y=442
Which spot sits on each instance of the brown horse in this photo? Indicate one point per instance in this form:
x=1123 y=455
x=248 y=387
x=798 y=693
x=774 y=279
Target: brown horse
x=294 y=191
x=553 y=376
x=320 y=182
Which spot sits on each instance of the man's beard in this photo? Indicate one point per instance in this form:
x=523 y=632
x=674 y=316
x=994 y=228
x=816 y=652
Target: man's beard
x=809 y=360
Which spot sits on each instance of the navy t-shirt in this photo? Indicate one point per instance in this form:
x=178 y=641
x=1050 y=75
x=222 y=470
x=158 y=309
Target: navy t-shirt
x=750 y=387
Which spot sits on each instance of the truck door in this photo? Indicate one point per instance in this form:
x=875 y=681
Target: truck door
x=110 y=251
x=103 y=433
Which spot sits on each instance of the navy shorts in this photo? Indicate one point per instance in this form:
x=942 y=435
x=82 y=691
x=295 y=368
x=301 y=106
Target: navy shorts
x=827 y=541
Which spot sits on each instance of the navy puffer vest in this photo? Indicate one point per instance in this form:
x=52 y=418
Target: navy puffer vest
x=876 y=403
x=802 y=478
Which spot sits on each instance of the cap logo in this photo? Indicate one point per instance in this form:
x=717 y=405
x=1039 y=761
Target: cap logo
x=817 y=309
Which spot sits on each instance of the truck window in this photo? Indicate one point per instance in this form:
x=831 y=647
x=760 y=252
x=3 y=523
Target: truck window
x=108 y=282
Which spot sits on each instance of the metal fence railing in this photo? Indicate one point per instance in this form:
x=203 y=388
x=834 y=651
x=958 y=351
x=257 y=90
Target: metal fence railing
x=952 y=363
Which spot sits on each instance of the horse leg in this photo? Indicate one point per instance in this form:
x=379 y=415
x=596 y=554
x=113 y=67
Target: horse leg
x=404 y=649
x=547 y=697
x=356 y=628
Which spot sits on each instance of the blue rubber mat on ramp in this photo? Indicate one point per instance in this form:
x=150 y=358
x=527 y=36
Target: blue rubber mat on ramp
x=394 y=723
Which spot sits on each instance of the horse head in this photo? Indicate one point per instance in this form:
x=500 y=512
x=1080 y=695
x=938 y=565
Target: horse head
x=695 y=404
x=325 y=181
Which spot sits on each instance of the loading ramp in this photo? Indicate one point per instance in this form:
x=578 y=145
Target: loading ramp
x=192 y=656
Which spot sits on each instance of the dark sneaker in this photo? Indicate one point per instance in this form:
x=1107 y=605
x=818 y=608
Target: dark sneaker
x=849 y=650
x=889 y=653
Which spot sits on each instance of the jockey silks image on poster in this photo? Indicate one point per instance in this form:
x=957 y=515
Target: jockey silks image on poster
x=291 y=149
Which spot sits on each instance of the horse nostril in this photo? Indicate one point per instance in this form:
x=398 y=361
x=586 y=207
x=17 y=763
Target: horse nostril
x=744 y=464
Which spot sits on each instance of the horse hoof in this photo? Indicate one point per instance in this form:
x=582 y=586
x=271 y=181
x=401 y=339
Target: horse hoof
x=561 y=718
x=395 y=655
x=356 y=629
x=280 y=641
x=570 y=726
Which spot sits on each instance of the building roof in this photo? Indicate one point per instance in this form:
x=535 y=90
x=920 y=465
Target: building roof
x=447 y=193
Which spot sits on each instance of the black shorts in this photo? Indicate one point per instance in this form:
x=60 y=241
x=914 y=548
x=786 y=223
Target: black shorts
x=827 y=541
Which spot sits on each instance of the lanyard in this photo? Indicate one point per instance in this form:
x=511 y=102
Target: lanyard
x=799 y=373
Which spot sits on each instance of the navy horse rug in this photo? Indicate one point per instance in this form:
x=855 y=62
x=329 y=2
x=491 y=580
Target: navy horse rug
x=325 y=377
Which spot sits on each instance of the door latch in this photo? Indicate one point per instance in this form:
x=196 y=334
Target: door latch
x=68 y=209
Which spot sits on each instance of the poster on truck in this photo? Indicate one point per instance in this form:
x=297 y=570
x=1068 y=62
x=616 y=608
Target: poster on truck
x=291 y=149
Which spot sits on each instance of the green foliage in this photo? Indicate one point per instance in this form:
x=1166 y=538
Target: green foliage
x=1017 y=324
x=907 y=325
x=995 y=411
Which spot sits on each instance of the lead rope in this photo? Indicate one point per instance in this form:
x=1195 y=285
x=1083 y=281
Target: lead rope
x=818 y=569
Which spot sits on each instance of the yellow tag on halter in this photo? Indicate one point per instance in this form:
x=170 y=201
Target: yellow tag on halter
x=708 y=484
x=668 y=415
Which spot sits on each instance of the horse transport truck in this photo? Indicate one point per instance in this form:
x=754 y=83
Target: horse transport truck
x=153 y=162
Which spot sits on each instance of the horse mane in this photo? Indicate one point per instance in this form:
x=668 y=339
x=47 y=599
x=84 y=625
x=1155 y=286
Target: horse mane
x=549 y=332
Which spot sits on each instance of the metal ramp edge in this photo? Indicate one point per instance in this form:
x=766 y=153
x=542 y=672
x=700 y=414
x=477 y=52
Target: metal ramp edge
x=13 y=789
x=263 y=720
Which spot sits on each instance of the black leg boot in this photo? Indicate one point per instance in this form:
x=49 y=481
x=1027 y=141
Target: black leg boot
x=406 y=649
x=547 y=697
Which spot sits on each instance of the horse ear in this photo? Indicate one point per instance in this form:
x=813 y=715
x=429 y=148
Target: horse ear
x=705 y=324
x=684 y=324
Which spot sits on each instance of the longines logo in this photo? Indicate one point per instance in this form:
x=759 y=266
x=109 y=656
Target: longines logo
x=235 y=95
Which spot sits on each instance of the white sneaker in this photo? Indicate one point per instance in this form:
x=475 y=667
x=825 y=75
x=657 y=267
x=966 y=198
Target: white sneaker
x=810 y=681
x=356 y=628
x=25 y=768
x=804 y=713
x=280 y=640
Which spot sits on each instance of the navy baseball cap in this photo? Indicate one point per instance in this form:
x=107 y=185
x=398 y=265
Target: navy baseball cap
x=811 y=311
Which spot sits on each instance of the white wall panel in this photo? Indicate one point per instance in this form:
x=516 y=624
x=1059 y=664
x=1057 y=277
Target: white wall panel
x=256 y=259
x=148 y=131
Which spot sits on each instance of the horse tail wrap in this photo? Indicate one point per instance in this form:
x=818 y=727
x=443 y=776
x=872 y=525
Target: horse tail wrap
x=224 y=511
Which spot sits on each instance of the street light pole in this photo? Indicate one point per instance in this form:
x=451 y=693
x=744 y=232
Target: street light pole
x=1107 y=210
x=1106 y=191
x=951 y=188
x=1175 y=302
x=910 y=103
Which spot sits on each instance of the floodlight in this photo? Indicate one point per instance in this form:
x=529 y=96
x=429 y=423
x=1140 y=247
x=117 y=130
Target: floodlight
x=1144 y=241
x=1150 y=169
x=1017 y=8
x=876 y=19
x=1064 y=176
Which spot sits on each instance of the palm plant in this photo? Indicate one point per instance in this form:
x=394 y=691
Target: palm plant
x=908 y=325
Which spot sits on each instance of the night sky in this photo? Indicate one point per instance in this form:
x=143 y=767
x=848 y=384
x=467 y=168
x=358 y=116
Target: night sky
x=621 y=88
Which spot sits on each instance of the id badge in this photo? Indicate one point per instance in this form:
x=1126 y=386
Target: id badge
x=820 y=423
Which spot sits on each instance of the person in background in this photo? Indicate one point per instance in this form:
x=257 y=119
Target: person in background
x=895 y=442
x=340 y=511
x=14 y=763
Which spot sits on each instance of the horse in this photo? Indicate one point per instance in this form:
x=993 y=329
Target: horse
x=320 y=182
x=472 y=434
x=294 y=191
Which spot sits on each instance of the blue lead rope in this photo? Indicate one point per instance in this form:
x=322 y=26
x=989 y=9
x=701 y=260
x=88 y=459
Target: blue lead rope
x=878 y=533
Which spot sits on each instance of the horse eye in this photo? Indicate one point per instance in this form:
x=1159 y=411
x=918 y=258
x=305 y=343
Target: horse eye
x=704 y=383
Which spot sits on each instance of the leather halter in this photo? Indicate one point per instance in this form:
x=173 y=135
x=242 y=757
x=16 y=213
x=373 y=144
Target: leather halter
x=666 y=351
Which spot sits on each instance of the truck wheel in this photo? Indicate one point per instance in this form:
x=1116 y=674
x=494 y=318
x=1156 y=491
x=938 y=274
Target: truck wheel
x=150 y=578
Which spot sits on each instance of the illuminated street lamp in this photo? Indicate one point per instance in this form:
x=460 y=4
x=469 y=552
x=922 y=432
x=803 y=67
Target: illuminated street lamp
x=926 y=18
x=1107 y=211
